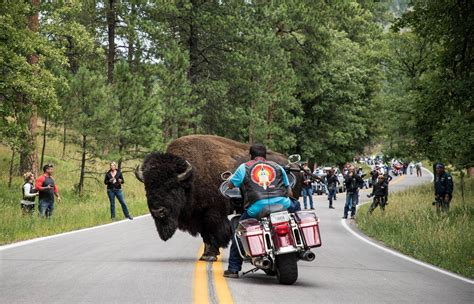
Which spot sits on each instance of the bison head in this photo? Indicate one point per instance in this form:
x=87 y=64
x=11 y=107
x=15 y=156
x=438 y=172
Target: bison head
x=168 y=182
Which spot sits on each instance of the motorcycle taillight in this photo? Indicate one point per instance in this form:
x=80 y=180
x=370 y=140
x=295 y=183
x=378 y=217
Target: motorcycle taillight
x=282 y=229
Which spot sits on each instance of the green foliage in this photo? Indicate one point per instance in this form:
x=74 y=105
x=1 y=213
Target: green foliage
x=431 y=83
x=89 y=104
x=24 y=87
x=134 y=119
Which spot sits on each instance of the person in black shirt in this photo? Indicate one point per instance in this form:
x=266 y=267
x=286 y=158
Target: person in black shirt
x=332 y=181
x=379 y=192
x=352 y=182
x=114 y=180
x=443 y=188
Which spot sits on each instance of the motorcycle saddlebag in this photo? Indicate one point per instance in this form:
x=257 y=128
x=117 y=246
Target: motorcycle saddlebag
x=308 y=224
x=251 y=236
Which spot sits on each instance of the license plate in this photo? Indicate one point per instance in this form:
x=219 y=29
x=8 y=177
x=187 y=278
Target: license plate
x=279 y=217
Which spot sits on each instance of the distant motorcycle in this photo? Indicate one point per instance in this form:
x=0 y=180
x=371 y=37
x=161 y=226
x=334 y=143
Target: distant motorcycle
x=319 y=187
x=397 y=169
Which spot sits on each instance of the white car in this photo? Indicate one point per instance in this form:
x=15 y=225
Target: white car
x=321 y=171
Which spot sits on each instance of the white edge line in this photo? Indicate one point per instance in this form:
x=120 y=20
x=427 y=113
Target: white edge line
x=402 y=256
x=44 y=238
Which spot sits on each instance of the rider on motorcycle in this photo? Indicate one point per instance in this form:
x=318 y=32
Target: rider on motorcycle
x=262 y=183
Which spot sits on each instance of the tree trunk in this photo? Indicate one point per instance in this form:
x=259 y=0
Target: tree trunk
x=64 y=141
x=174 y=131
x=131 y=40
x=44 y=139
x=193 y=46
x=270 y=113
x=111 y=36
x=10 y=172
x=119 y=165
x=193 y=54
x=83 y=165
x=29 y=155
x=462 y=185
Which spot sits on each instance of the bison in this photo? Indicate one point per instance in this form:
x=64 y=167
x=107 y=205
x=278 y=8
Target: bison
x=182 y=187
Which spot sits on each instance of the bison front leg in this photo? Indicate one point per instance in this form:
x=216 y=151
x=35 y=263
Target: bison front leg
x=210 y=253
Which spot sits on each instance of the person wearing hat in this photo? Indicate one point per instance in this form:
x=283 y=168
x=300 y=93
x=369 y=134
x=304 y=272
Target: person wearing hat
x=47 y=191
x=443 y=187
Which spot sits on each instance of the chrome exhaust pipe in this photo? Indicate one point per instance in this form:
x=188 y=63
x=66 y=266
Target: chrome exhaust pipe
x=308 y=255
x=262 y=263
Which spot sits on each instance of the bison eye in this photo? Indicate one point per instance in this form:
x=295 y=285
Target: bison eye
x=158 y=212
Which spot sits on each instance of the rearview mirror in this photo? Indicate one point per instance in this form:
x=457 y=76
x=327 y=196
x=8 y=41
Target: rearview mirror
x=295 y=158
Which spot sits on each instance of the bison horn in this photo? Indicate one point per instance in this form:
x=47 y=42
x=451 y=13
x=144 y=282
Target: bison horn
x=185 y=174
x=139 y=173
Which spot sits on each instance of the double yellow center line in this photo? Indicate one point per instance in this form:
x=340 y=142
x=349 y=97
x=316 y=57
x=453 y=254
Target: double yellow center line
x=209 y=284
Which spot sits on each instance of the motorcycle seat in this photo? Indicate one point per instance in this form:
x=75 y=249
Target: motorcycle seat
x=269 y=209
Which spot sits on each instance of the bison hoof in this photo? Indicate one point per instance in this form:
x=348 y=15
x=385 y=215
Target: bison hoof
x=208 y=258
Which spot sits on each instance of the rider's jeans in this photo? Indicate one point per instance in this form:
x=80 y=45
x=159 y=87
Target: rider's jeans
x=235 y=260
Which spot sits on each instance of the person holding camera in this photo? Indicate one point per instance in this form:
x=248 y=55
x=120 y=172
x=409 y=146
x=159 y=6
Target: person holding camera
x=352 y=182
x=114 y=180
x=307 y=189
x=47 y=191
x=379 y=192
x=29 y=194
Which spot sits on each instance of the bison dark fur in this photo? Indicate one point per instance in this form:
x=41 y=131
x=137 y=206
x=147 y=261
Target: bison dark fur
x=193 y=203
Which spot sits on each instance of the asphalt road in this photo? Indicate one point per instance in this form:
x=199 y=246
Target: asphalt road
x=128 y=263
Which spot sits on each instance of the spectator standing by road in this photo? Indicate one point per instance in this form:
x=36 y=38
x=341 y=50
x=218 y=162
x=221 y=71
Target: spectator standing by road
x=332 y=182
x=443 y=188
x=307 y=187
x=352 y=182
x=387 y=179
x=114 y=180
x=48 y=189
x=379 y=192
x=29 y=194
x=418 y=169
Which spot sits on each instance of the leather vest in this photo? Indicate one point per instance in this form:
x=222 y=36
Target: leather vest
x=263 y=179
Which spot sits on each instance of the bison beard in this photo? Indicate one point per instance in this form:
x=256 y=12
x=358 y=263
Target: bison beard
x=182 y=188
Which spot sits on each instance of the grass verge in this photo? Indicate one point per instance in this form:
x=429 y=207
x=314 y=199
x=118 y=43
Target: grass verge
x=74 y=212
x=411 y=226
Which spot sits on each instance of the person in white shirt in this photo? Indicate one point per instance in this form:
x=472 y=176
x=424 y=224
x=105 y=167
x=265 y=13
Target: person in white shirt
x=29 y=194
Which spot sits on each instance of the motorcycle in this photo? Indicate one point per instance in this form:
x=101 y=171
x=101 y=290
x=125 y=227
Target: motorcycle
x=319 y=187
x=276 y=240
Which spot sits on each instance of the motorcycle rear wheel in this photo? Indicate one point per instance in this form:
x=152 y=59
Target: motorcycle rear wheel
x=287 y=268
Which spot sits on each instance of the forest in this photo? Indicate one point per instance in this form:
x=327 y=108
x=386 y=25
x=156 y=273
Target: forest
x=326 y=79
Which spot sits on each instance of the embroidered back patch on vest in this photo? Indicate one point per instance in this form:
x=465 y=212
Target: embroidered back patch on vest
x=263 y=175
